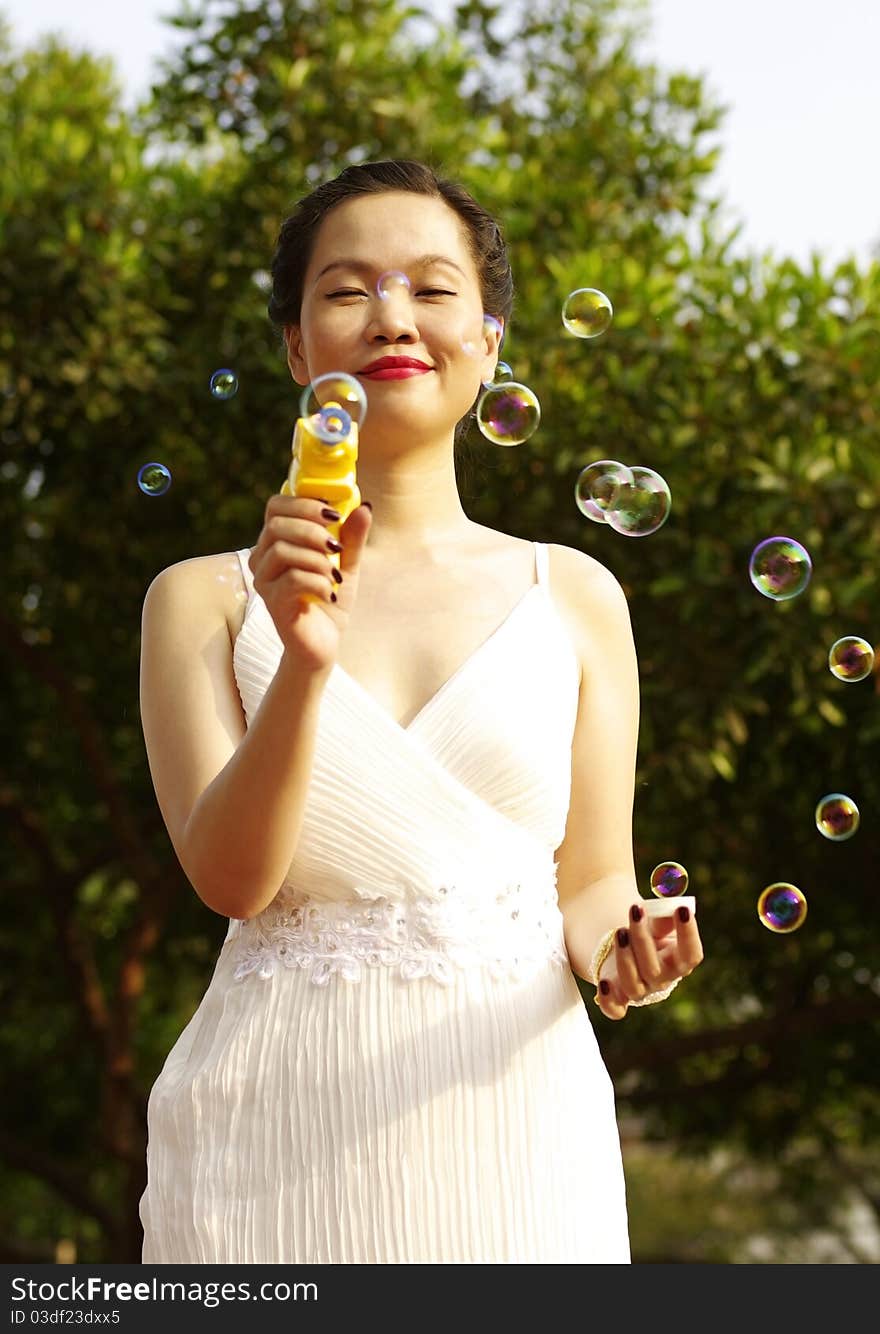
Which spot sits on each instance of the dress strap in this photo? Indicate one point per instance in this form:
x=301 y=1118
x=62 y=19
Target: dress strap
x=542 y=564
x=246 y=570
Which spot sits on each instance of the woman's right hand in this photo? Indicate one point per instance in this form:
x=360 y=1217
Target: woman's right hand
x=291 y=558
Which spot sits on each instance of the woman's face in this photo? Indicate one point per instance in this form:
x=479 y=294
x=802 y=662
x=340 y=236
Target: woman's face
x=345 y=324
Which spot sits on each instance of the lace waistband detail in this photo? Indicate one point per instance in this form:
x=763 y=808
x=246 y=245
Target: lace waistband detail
x=512 y=931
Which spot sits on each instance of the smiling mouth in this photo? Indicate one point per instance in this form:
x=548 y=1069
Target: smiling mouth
x=396 y=372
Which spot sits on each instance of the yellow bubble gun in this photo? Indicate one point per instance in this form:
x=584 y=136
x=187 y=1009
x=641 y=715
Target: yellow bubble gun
x=324 y=454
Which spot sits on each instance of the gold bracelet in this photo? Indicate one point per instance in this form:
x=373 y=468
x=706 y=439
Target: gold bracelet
x=654 y=996
x=600 y=954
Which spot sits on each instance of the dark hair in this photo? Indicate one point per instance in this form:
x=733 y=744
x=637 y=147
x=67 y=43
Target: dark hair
x=296 y=239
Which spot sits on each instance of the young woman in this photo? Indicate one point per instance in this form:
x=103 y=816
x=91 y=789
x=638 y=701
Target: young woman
x=413 y=799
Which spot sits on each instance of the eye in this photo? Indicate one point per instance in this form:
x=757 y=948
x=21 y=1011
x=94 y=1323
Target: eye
x=436 y=291
x=348 y=291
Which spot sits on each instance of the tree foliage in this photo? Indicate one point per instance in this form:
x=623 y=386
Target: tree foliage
x=133 y=259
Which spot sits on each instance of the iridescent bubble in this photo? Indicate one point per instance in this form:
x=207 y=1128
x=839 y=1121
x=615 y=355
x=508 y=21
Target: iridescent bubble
x=474 y=347
x=224 y=384
x=392 y=281
x=780 y=568
x=642 y=506
x=851 y=658
x=782 y=907
x=837 y=816
x=332 y=423
x=598 y=486
x=508 y=413
x=336 y=388
x=502 y=372
x=154 y=479
x=587 y=312
x=669 y=879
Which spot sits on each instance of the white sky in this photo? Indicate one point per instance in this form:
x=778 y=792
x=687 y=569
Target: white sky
x=800 y=144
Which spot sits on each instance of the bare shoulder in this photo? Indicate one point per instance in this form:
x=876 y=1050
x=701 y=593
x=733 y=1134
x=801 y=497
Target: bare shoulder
x=214 y=581
x=586 y=593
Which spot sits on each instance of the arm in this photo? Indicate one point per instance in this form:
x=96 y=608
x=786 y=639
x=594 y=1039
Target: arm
x=596 y=879
x=232 y=797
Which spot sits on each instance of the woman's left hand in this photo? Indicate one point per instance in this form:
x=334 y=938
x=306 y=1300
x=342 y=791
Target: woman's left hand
x=650 y=953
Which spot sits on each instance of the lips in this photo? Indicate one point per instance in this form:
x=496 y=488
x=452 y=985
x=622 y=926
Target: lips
x=395 y=364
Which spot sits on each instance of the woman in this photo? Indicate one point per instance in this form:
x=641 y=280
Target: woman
x=419 y=822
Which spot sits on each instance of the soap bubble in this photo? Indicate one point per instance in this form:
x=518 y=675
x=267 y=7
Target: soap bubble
x=851 y=658
x=782 y=907
x=642 y=506
x=598 y=486
x=837 y=816
x=339 y=389
x=780 y=568
x=224 y=384
x=392 y=281
x=154 y=479
x=474 y=348
x=669 y=879
x=508 y=413
x=586 y=312
x=332 y=424
x=502 y=372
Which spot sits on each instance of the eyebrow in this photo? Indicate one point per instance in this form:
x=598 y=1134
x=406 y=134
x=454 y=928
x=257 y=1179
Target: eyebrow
x=361 y=266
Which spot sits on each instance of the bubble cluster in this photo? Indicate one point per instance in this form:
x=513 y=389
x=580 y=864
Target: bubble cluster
x=668 y=879
x=780 y=568
x=587 y=312
x=508 y=413
x=224 y=384
x=837 y=816
x=851 y=658
x=782 y=907
x=634 y=501
x=154 y=479
x=393 y=280
x=341 y=390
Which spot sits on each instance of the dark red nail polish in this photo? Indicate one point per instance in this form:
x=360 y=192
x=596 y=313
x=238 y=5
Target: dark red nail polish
x=684 y=914
x=604 y=986
x=336 y=575
x=635 y=913
x=333 y=597
x=623 y=938
x=368 y=505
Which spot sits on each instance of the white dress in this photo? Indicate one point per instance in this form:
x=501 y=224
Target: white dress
x=392 y=1062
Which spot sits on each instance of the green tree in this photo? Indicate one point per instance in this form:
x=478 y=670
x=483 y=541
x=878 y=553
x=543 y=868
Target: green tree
x=133 y=257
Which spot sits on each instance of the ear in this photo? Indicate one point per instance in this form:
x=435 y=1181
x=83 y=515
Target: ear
x=492 y=338
x=295 y=358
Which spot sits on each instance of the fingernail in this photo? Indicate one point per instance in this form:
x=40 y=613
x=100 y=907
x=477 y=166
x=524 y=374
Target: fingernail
x=635 y=913
x=331 y=514
x=336 y=575
x=333 y=545
x=333 y=597
x=623 y=938
x=684 y=914
x=368 y=505
x=604 y=986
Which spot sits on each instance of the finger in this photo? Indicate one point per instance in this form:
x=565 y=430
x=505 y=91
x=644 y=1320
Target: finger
x=648 y=962
x=608 y=1003
x=689 y=945
x=629 y=984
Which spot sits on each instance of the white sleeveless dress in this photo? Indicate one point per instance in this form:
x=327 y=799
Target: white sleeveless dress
x=392 y=1062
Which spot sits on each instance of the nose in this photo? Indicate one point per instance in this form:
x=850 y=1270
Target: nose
x=392 y=319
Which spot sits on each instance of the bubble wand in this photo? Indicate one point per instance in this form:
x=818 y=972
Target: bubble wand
x=324 y=450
